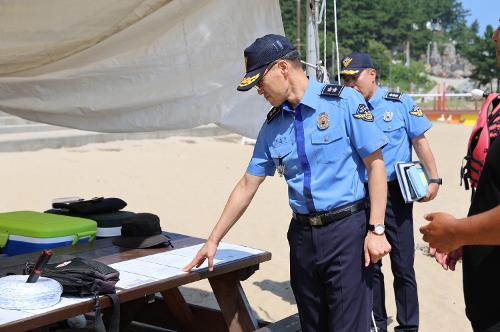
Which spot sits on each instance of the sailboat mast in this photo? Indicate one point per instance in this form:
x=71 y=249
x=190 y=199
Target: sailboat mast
x=312 y=55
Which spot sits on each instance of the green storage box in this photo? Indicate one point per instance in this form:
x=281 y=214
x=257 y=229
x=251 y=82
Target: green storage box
x=30 y=231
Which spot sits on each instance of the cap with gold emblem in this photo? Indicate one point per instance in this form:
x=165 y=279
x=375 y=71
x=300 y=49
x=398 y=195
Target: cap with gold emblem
x=259 y=55
x=354 y=63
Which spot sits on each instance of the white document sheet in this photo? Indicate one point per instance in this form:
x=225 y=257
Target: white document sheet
x=131 y=280
x=173 y=260
x=147 y=269
x=65 y=301
x=226 y=252
x=7 y=316
x=168 y=264
x=190 y=251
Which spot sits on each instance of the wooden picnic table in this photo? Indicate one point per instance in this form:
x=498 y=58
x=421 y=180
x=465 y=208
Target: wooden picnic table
x=144 y=303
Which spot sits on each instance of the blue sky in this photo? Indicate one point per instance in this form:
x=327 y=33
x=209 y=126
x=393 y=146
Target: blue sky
x=485 y=11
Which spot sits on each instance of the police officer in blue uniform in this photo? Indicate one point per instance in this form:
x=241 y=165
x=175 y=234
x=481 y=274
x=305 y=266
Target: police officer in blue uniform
x=321 y=139
x=405 y=125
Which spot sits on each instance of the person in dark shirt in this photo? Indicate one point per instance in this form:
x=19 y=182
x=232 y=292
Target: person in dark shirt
x=481 y=263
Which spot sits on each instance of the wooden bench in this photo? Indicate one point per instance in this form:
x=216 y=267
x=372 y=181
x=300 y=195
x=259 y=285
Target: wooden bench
x=289 y=324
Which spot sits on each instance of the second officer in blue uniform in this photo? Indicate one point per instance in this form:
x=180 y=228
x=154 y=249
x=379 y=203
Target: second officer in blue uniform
x=321 y=139
x=405 y=125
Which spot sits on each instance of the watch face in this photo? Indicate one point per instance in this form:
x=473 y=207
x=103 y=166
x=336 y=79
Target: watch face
x=379 y=229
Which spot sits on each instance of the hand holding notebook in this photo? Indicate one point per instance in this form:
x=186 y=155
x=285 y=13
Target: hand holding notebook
x=413 y=180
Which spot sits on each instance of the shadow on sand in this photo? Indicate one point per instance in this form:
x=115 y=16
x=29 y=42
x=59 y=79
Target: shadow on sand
x=282 y=289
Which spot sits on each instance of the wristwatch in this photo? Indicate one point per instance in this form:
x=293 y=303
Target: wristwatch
x=378 y=229
x=438 y=181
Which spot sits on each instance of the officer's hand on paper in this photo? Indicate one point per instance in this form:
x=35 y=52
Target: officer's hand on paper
x=376 y=247
x=207 y=251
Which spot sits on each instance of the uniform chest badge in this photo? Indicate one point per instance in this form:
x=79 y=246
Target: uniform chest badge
x=388 y=116
x=323 y=121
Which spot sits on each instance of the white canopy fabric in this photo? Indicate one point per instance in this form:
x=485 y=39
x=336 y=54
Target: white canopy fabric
x=132 y=65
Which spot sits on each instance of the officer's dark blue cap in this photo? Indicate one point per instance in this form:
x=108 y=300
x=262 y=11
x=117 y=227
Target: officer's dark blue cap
x=355 y=63
x=259 y=55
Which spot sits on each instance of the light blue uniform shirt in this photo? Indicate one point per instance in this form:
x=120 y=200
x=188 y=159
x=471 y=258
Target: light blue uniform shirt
x=401 y=121
x=323 y=167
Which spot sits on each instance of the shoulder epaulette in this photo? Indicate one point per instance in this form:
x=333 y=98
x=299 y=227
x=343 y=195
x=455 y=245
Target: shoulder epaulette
x=332 y=90
x=272 y=113
x=393 y=96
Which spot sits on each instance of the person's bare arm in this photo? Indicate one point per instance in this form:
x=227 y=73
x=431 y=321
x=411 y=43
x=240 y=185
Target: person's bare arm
x=376 y=246
x=446 y=233
x=237 y=203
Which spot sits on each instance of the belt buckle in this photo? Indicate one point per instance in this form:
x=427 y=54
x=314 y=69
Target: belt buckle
x=315 y=220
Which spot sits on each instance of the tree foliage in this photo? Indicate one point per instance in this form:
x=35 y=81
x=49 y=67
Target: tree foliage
x=481 y=53
x=411 y=79
x=384 y=27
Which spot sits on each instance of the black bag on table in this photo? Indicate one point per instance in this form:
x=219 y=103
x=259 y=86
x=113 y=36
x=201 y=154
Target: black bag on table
x=92 y=206
x=82 y=277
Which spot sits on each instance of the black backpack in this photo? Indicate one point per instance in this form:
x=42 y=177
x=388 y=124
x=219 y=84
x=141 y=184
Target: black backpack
x=82 y=277
x=79 y=276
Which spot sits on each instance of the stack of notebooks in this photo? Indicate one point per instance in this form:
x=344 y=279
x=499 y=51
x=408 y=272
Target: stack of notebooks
x=413 y=180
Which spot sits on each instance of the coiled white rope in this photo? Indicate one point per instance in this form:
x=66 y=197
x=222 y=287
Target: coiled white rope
x=16 y=294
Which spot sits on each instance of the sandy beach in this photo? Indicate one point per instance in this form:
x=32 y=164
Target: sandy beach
x=186 y=182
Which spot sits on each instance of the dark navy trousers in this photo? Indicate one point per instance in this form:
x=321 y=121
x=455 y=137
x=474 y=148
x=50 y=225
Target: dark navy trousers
x=399 y=233
x=332 y=288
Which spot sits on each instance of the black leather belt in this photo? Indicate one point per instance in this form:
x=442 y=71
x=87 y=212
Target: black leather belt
x=324 y=218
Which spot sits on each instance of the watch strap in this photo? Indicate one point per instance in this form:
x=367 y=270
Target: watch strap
x=438 y=181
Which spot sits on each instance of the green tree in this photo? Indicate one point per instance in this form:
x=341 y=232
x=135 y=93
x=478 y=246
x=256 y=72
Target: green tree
x=384 y=27
x=381 y=58
x=391 y=22
x=411 y=79
x=465 y=36
x=481 y=53
x=289 y=17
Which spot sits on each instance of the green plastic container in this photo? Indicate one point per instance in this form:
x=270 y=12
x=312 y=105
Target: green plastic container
x=29 y=231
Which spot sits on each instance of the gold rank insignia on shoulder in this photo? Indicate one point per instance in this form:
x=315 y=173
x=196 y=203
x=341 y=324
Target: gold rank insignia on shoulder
x=393 y=96
x=323 y=121
x=416 y=111
x=272 y=113
x=332 y=90
x=363 y=113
